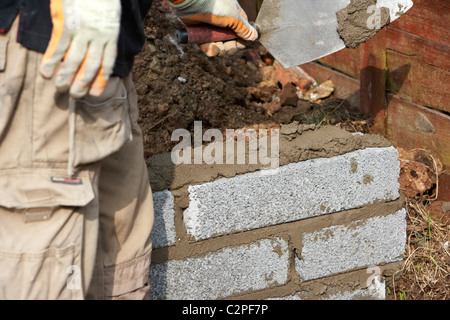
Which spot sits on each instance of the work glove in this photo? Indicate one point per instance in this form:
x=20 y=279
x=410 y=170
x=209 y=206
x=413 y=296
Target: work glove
x=84 y=36
x=220 y=13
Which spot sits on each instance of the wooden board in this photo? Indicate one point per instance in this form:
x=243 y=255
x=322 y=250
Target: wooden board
x=425 y=50
x=428 y=19
x=373 y=75
x=346 y=61
x=444 y=187
x=414 y=79
x=411 y=126
x=345 y=86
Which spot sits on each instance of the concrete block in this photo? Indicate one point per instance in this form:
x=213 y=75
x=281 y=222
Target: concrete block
x=232 y=270
x=163 y=232
x=362 y=243
x=292 y=192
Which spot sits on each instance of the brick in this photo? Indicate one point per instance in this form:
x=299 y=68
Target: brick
x=232 y=270
x=342 y=248
x=163 y=232
x=292 y=192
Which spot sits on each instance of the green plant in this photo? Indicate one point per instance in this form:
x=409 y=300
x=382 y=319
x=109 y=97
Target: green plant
x=429 y=238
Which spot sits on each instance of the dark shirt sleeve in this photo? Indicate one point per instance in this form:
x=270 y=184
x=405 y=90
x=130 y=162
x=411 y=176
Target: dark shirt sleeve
x=35 y=27
x=131 y=38
x=8 y=11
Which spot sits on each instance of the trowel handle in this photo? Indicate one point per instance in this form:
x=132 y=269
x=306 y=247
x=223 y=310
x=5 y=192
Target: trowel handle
x=204 y=33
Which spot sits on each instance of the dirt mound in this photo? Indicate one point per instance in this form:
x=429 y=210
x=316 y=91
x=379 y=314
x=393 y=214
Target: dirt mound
x=178 y=84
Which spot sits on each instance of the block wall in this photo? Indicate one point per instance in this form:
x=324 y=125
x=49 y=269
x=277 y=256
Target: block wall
x=328 y=223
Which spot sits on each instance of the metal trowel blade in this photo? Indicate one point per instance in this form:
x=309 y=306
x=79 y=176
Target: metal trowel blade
x=299 y=31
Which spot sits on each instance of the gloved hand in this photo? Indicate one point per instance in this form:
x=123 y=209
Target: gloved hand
x=220 y=13
x=85 y=35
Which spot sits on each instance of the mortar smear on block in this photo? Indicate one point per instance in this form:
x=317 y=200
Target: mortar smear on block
x=232 y=270
x=339 y=248
x=295 y=191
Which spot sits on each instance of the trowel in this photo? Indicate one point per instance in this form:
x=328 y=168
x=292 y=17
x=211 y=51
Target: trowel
x=299 y=31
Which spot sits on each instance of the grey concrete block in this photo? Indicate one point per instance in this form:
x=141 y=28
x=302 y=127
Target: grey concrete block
x=163 y=232
x=362 y=243
x=231 y=270
x=292 y=192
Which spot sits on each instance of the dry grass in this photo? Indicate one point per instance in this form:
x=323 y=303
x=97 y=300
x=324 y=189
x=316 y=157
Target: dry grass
x=426 y=270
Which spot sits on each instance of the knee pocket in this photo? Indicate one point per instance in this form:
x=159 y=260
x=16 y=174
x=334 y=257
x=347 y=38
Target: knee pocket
x=128 y=280
x=41 y=234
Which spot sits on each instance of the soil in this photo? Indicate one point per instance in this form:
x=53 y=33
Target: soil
x=178 y=84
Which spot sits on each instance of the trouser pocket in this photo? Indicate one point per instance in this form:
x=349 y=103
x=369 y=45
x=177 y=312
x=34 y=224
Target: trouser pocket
x=100 y=126
x=41 y=234
x=53 y=273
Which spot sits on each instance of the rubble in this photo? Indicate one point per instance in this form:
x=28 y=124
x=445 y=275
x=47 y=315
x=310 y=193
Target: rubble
x=320 y=92
x=419 y=172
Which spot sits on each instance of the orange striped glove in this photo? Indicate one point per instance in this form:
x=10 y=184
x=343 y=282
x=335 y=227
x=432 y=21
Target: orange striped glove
x=84 y=36
x=220 y=13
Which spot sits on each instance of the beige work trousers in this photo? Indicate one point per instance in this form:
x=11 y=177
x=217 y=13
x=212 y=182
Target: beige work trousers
x=76 y=207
